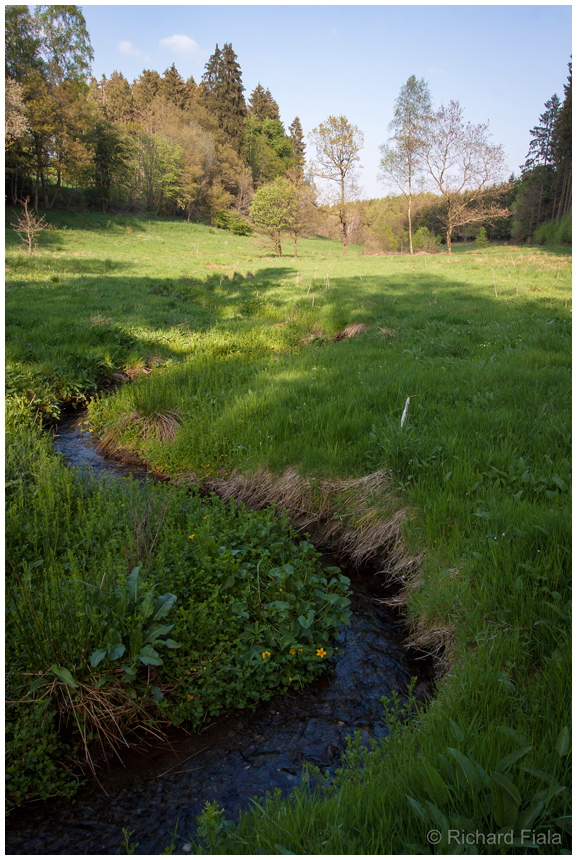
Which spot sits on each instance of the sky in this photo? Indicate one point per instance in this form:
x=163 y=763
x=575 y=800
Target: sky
x=501 y=62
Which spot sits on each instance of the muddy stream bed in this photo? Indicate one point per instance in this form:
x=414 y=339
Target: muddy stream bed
x=159 y=788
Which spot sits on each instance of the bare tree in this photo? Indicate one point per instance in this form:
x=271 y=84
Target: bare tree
x=338 y=143
x=463 y=166
x=28 y=225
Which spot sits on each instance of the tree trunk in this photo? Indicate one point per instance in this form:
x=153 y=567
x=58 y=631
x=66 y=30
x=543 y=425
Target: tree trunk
x=449 y=233
x=410 y=227
x=295 y=243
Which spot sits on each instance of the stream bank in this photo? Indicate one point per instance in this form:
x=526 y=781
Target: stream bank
x=158 y=787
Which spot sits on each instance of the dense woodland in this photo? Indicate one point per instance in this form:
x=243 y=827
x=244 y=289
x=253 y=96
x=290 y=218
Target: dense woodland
x=201 y=150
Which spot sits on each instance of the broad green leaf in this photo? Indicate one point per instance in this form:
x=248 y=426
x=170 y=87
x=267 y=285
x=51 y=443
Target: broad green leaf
x=135 y=641
x=113 y=636
x=527 y=817
x=35 y=684
x=122 y=604
x=117 y=651
x=459 y=736
x=134 y=584
x=150 y=657
x=563 y=743
x=306 y=622
x=419 y=810
x=506 y=800
x=152 y=633
x=433 y=782
x=147 y=605
x=157 y=694
x=278 y=604
x=170 y=643
x=98 y=656
x=164 y=603
x=521 y=739
x=511 y=758
x=467 y=768
x=64 y=675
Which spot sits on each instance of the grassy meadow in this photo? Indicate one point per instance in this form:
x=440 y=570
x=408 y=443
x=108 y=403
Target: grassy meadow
x=286 y=379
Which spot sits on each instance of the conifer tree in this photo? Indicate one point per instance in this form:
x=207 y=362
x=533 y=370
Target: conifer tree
x=562 y=155
x=299 y=148
x=173 y=87
x=262 y=105
x=222 y=92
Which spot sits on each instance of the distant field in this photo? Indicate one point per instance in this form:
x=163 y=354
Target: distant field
x=248 y=368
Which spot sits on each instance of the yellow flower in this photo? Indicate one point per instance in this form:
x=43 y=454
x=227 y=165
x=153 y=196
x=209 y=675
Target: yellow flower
x=190 y=537
x=321 y=652
x=265 y=654
x=292 y=651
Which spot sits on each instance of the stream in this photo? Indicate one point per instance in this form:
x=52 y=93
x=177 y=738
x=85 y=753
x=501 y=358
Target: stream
x=159 y=788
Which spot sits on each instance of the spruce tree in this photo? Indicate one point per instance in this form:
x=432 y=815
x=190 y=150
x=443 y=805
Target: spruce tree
x=299 y=147
x=222 y=92
x=262 y=105
x=173 y=87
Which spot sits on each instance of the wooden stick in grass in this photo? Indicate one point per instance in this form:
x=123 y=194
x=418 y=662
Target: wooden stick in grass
x=406 y=409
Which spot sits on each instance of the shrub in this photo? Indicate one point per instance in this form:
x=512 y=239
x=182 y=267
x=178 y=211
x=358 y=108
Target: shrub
x=34 y=755
x=481 y=239
x=233 y=222
x=555 y=234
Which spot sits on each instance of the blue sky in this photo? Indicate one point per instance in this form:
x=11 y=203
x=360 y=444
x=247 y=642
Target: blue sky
x=501 y=62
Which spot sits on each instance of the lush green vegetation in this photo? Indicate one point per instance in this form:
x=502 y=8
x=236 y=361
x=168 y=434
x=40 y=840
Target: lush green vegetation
x=252 y=371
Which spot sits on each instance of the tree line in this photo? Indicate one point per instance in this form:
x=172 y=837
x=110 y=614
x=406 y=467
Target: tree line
x=170 y=146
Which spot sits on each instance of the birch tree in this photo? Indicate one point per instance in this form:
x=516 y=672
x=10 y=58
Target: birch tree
x=401 y=156
x=462 y=165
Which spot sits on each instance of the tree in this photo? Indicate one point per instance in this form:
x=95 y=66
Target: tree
x=15 y=118
x=113 y=153
x=299 y=147
x=562 y=154
x=463 y=165
x=401 y=159
x=337 y=144
x=262 y=105
x=273 y=210
x=222 y=92
x=266 y=148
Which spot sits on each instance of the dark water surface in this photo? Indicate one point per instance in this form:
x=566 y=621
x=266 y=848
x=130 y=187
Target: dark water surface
x=160 y=786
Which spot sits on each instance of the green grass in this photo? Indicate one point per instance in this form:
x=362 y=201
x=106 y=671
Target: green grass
x=246 y=366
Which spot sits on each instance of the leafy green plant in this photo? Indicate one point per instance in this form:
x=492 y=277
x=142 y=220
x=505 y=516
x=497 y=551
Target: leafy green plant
x=468 y=806
x=132 y=620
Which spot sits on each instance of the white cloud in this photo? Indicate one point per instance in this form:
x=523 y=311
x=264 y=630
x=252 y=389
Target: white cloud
x=183 y=45
x=129 y=49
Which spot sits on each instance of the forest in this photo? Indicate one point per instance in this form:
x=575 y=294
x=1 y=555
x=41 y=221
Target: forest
x=201 y=150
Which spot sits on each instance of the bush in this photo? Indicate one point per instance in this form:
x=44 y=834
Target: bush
x=233 y=222
x=555 y=234
x=481 y=239
x=34 y=755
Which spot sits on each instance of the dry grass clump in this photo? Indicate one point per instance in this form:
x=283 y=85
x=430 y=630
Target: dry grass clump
x=107 y=712
x=347 y=516
x=357 y=519
x=162 y=426
x=388 y=332
x=353 y=330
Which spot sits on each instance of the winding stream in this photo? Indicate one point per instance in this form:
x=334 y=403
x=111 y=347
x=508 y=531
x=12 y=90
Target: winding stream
x=159 y=788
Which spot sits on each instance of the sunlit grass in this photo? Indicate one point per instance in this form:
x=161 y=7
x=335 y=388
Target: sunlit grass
x=240 y=348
